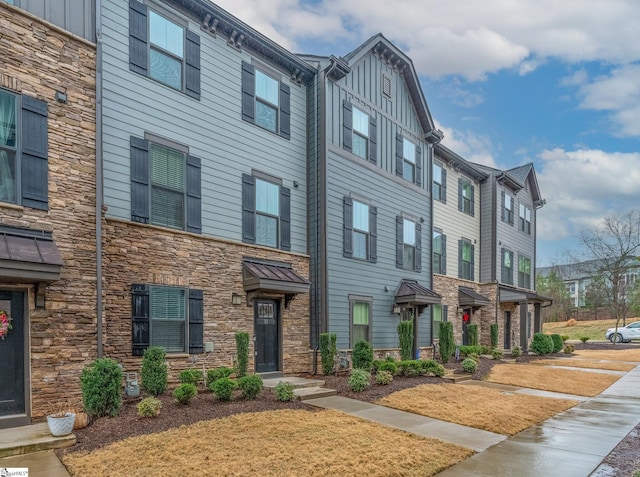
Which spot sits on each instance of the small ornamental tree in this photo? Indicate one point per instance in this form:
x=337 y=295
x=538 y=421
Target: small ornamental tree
x=154 y=371
x=447 y=343
x=242 y=348
x=101 y=383
x=494 y=335
x=328 y=352
x=472 y=333
x=362 y=355
x=405 y=334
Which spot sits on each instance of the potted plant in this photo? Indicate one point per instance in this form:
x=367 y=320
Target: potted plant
x=61 y=420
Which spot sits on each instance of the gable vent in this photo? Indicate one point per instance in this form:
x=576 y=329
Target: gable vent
x=386 y=85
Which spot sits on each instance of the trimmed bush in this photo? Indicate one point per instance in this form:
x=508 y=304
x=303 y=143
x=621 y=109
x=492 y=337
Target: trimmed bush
x=472 y=334
x=185 y=393
x=242 y=350
x=564 y=337
x=467 y=350
x=149 y=407
x=155 y=379
x=569 y=348
x=584 y=339
x=223 y=388
x=101 y=384
x=284 y=391
x=214 y=374
x=410 y=368
x=469 y=365
x=250 y=386
x=557 y=343
x=359 y=380
x=497 y=353
x=431 y=366
x=328 y=352
x=362 y=355
x=447 y=343
x=384 y=377
x=516 y=351
x=190 y=376
x=494 y=335
x=390 y=366
x=541 y=344
x=405 y=334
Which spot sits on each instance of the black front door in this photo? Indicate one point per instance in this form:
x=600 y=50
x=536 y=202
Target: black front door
x=507 y=330
x=267 y=349
x=466 y=316
x=12 y=391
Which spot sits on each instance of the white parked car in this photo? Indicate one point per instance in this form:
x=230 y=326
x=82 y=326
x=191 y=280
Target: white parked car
x=625 y=333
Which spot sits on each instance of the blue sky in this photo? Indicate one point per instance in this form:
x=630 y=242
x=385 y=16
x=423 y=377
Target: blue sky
x=508 y=82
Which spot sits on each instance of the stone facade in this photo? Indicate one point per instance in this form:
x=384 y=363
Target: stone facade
x=145 y=254
x=39 y=59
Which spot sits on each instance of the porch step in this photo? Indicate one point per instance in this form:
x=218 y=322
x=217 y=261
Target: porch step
x=457 y=378
x=314 y=392
x=33 y=438
x=296 y=381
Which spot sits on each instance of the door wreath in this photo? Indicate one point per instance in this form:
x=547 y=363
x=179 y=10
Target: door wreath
x=5 y=324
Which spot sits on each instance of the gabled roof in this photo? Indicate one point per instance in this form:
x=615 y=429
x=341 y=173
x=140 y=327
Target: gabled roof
x=516 y=179
x=459 y=163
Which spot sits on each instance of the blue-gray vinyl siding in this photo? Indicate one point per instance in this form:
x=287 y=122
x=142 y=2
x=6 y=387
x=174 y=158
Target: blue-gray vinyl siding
x=212 y=128
x=75 y=16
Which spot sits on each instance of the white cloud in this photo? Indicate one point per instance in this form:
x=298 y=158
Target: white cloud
x=470 y=146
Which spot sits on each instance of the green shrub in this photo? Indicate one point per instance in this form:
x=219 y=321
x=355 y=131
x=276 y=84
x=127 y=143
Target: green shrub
x=472 y=334
x=214 y=374
x=191 y=376
x=494 y=335
x=447 y=343
x=541 y=344
x=154 y=372
x=390 y=358
x=410 y=368
x=469 y=365
x=497 y=353
x=149 y=407
x=569 y=348
x=384 y=377
x=328 y=352
x=516 y=351
x=431 y=366
x=359 y=380
x=242 y=350
x=557 y=343
x=564 y=337
x=185 y=393
x=284 y=391
x=584 y=339
x=223 y=388
x=250 y=386
x=468 y=350
x=362 y=355
x=390 y=366
x=101 y=384
x=405 y=334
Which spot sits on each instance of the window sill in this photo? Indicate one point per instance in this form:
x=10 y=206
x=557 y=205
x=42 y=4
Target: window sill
x=9 y=205
x=176 y=355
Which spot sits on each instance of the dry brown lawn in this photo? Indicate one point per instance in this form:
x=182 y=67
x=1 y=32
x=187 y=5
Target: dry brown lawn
x=274 y=443
x=581 y=383
x=586 y=363
x=612 y=354
x=477 y=406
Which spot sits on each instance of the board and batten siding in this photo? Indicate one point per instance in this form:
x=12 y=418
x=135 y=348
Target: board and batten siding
x=75 y=16
x=488 y=241
x=212 y=128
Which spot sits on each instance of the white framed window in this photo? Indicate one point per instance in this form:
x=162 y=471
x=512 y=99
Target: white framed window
x=166 y=50
x=168 y=318
x=267 y=101
x=409 y=246
x=267 y=213
x=507 y=208
x=409 y=160
x=439 y=182
x=360 y=140
x=361 y=230
x=168 y=186
x=439 y=252
x=524 y=222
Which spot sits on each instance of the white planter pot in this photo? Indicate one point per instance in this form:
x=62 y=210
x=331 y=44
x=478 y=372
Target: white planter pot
x=61 y=426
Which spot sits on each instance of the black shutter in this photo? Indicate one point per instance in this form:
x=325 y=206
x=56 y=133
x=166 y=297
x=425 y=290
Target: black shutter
x=35 y=151
x=504 y=214
x=418 y=165
x=138 y=59
x=373 y=234
x=140 y=332
x=373 y=139
x=503 y=271
x=399 y=241
x=459 y=258
x=472 y=201
x=139 y=180
x=443 y=187
x=348 y=227
x=443 y=266
x=460 y=206
x=285 y=111
x=248 y=208
x=347 y=125
x=285 y=218
x=248 y=92
x=399 y=155
x=473 y=262
x=196 y=322
x=418 y=247
x=192 y=62
x=194 y=198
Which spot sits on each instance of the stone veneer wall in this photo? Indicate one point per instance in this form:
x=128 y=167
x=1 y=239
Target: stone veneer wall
x=145 y=254
x=39 y=59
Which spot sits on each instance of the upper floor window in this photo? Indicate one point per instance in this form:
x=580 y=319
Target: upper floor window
x=439 y=182
x=408 y=244
x=265 y=100
x=524 y=223
x=8 y=148
x=359 y=132
x=266 y=211
x=524 y=271
x=164 y=50
x=360 y=230
x=466 y=197
x=409 y=160
x=439 y=252
x=507 y=267
x=466 y=259
x=507 y=208
x=165 y=184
